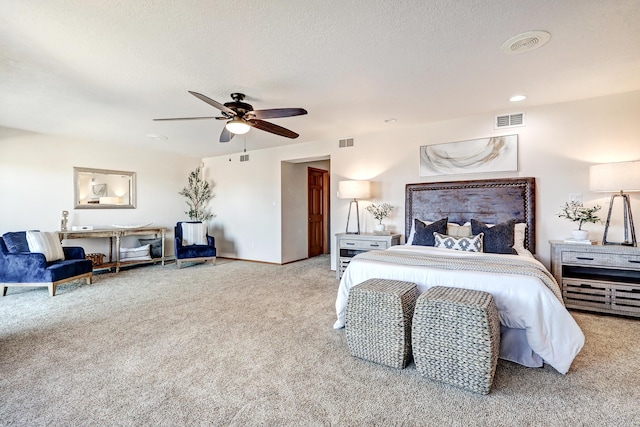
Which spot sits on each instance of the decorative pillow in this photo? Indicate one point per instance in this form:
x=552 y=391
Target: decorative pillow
x=519 y=231
x=46 y=243
x=466 y=244
x=456 y=230
x=16 y=241
x=156 y=246
x=194 y=233
x=453 y=229
x=497 y=239
x=424 y=232
x=135 y=254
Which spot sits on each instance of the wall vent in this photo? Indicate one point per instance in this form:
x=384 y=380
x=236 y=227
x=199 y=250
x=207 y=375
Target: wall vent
x=509 y=120
x=346 y=142
x=244 y=157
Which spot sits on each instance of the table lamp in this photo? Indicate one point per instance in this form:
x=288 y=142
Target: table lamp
x=353 y=190
x=617 y=178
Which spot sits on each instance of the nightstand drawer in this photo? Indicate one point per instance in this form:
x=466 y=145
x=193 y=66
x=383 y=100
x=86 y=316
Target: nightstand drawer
x=362 y=244
x=627 y=261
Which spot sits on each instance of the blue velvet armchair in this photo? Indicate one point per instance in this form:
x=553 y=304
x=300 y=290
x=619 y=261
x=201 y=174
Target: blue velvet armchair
x=193 y=253
x=20 y=267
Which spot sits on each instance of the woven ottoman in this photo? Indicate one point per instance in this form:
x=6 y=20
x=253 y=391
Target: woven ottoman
x=378 y=321
x=456 y=337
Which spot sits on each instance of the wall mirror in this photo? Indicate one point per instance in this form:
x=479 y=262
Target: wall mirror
x=103 y=189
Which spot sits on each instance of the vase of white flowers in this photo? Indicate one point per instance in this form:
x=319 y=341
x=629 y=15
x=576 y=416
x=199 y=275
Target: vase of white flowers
x=575 y=212
x=379 y=211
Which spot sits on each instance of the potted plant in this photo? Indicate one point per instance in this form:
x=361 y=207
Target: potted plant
x=575 y=212
x=198 y=192
x=379 y=212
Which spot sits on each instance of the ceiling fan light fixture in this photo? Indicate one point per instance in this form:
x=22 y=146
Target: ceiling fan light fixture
x=237 y=126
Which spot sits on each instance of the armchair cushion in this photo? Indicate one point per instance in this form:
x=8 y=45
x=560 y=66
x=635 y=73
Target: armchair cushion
x=194 y=233
x=45 y=243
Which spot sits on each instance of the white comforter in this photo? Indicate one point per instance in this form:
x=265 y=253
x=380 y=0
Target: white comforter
x=523 y=302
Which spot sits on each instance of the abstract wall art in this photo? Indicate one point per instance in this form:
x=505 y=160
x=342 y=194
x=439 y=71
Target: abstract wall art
x=494 y=154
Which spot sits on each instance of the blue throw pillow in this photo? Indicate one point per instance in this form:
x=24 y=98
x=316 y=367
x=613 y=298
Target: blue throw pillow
x=16 y=241
x=424 y=233
x=497 y=239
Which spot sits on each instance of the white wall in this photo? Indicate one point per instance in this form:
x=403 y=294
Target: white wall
x=556 y=146
x=36 y=184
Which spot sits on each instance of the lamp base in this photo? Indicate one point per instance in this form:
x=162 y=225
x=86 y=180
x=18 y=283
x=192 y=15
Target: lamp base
x=357 y=218
x=628 y=222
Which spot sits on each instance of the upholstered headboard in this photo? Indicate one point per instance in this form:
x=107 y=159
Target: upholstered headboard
x=488 y=200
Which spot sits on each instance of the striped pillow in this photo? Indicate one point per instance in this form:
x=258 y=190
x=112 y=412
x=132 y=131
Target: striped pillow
x=194 y=233
x=467 y=244
x=46 y=243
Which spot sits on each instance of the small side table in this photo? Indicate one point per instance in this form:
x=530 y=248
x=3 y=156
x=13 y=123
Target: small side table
x=600 y=278
x=350 y=245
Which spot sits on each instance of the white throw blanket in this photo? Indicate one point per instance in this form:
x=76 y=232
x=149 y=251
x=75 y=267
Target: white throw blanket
x=524 y=301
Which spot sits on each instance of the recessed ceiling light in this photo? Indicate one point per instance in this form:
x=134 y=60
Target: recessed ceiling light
x=158 y=137
x=516 y=98
x=390 y=120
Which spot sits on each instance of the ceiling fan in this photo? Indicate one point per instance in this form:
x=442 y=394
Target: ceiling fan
x=241 y=117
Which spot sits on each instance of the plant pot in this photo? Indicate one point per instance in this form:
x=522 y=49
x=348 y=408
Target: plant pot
x=580 y=234
x=379 y=227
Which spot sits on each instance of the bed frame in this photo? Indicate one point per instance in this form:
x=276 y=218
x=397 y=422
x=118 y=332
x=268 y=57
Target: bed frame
x=489 y=200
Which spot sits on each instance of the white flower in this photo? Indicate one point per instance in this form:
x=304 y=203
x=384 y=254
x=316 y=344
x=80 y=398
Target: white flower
x=380 y=211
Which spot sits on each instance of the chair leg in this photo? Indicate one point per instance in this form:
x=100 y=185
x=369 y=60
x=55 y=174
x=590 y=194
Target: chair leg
x=4 y=291
x=179 y=263
x=52 y=289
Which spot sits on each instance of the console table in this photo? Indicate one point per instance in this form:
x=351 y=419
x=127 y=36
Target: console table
x=117 y=234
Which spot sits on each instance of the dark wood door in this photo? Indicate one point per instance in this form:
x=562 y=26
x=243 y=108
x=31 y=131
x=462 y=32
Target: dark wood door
x=318 y=211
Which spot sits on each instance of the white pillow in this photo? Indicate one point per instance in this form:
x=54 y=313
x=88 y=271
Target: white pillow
x=194 y=233
x=135 y=254
x=46 y=243
x=456 y=230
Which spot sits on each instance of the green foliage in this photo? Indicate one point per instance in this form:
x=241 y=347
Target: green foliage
x=379 y=211
x=575 y=212
x=198 y=193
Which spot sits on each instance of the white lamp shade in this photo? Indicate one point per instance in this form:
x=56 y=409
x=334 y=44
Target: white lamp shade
x=614 y=177
x=354 y=189
x=237 y=126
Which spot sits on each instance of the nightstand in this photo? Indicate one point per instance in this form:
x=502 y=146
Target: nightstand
x=349 y=245
x=599 y=278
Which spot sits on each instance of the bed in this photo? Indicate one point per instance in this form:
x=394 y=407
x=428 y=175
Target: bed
x=536 y=328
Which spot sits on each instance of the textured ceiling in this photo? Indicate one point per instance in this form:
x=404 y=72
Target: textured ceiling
x=102 y=70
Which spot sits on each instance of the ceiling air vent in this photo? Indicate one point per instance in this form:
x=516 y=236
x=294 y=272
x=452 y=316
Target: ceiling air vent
x=346 y=142
x=244 y=157
x=509 y=120
x=525 y=42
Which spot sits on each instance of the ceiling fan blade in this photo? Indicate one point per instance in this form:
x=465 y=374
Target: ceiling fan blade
x=270 y=127
x=274 y=113
x=185 y=118
x=226 y=136
x=216 y=104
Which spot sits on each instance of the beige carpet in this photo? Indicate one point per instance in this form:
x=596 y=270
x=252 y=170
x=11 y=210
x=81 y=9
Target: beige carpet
x=245 y=343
